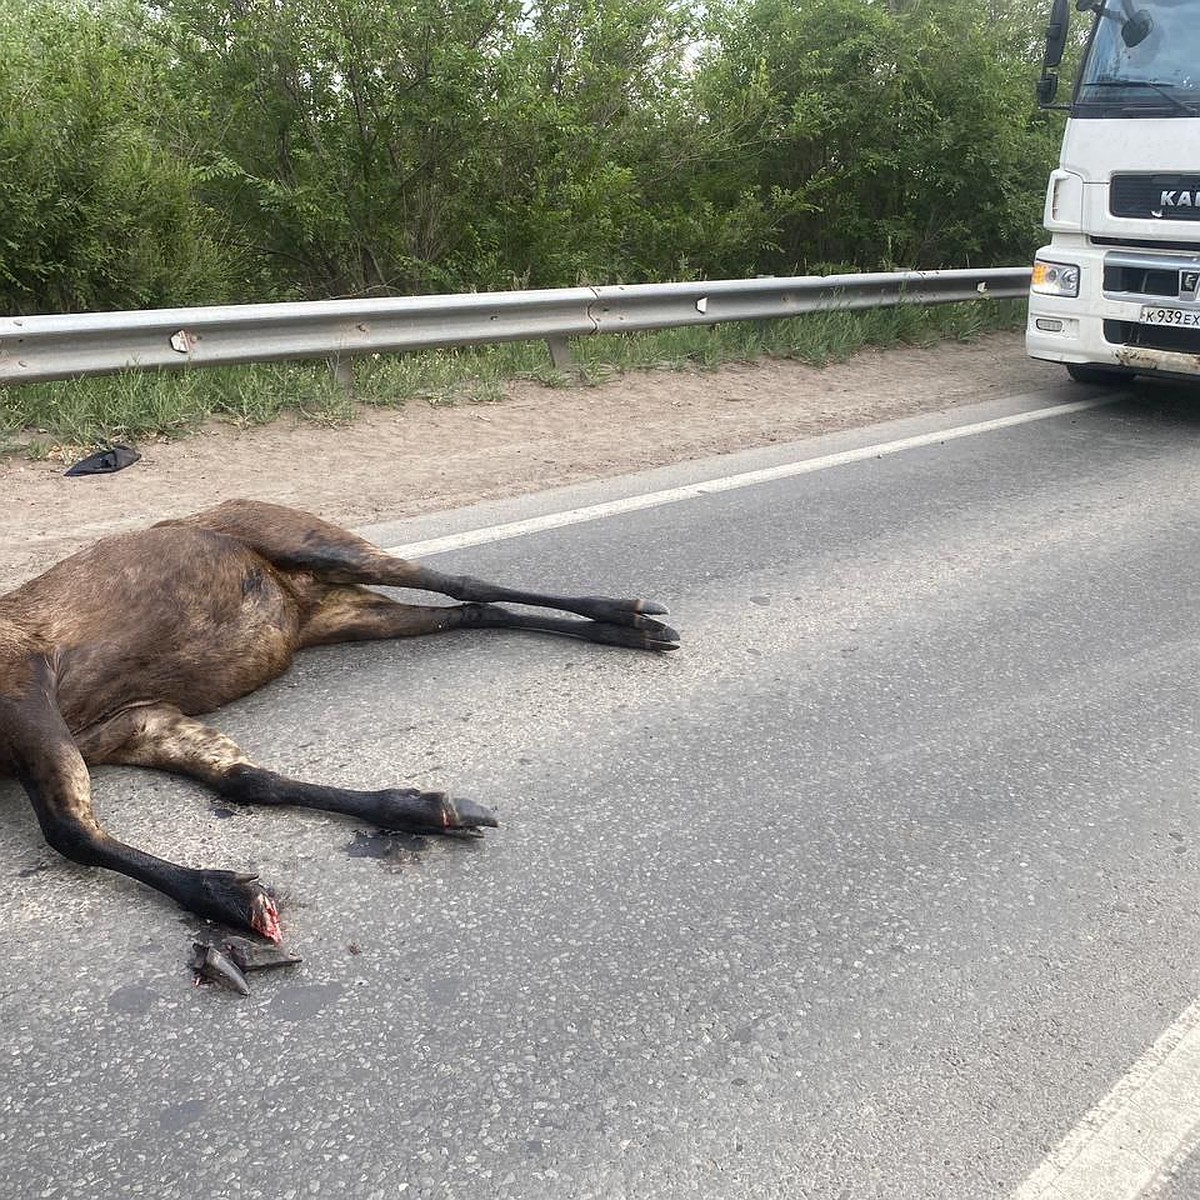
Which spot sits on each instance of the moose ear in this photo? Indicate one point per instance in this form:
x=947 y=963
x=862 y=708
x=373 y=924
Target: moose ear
x=104 y=462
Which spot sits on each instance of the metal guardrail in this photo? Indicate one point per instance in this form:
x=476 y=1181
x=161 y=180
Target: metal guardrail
x=38 y=348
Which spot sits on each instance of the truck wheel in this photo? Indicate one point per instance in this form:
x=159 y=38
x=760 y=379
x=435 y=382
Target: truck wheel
x=1089 y=373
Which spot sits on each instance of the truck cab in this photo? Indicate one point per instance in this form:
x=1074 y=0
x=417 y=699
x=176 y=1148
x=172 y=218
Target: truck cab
x=1116 y=292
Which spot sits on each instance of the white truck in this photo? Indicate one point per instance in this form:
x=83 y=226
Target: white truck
x=1117 y=290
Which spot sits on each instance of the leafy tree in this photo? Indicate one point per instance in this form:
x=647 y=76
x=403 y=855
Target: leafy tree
x=899 y=134
x=186 y=151
x=379 y=145
x=345 y=136
x=97 y=207
x=590 y=90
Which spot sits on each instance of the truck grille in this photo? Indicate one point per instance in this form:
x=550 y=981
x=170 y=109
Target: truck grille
x=1140 y=280
x=1173 y=197
x=1152 y=337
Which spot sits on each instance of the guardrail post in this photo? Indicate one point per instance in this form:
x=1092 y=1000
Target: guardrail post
x=343 y=375
x=561 y=356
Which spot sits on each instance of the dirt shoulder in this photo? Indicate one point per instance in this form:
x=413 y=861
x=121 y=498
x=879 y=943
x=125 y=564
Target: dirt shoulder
x=417 y=458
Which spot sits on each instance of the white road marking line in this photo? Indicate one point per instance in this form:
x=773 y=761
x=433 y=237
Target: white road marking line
x=594 y=512
x=1128 y=1145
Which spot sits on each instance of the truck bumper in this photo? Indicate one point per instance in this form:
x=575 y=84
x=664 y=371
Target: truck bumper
x=1102 y=325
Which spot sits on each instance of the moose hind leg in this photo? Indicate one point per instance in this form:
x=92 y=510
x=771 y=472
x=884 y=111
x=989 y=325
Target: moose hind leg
x=297 y=541
x=162 y=737
x=602 y=610
x=352 y=613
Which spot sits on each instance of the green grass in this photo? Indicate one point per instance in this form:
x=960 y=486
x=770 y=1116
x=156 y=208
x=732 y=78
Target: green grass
x=35 y=419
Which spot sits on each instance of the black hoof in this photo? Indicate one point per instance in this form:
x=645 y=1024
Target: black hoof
x=650 y=635
x=658 y=636
x=410 y=811
x=466 y=817
x=636 y=613
x=237 y=900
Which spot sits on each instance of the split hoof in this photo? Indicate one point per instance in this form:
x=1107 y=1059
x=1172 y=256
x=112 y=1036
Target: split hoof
x=648 y=635
x=406 y=810
x=211 y=966
x=228 y=969
x=637 y=614
x=465 y=818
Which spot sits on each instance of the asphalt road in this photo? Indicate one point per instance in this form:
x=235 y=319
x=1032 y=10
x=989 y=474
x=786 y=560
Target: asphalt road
x=869 y=891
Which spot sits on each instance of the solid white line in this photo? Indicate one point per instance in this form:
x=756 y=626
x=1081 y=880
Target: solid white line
x=1128 y=1145
x=594 y=512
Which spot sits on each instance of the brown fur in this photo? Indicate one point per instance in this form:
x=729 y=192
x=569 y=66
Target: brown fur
x=110 y=655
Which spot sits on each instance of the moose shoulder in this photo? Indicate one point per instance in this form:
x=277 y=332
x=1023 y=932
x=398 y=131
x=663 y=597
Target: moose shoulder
x=110 y=656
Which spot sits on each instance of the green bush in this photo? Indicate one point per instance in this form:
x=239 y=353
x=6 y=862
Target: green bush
x=98 y=209
x=160 y=152
x=885 y=136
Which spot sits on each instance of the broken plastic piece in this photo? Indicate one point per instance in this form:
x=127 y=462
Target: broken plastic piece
x=104 y=462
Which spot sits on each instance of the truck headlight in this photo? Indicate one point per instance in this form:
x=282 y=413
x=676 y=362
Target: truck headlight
x=1054 y=279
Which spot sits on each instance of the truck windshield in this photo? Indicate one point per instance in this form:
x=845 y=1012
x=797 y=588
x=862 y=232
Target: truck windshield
x=1143 y=60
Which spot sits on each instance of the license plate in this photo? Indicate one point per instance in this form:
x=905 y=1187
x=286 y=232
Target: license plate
x=1185 y=318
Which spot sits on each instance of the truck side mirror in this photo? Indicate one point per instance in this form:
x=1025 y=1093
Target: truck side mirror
x=1047 y=89
x=1056 y=34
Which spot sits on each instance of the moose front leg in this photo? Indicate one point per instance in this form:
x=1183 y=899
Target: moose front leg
x=51 y=769
x=407 y=810
x=162 y=737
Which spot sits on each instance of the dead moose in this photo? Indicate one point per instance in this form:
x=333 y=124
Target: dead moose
x=109 y=656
